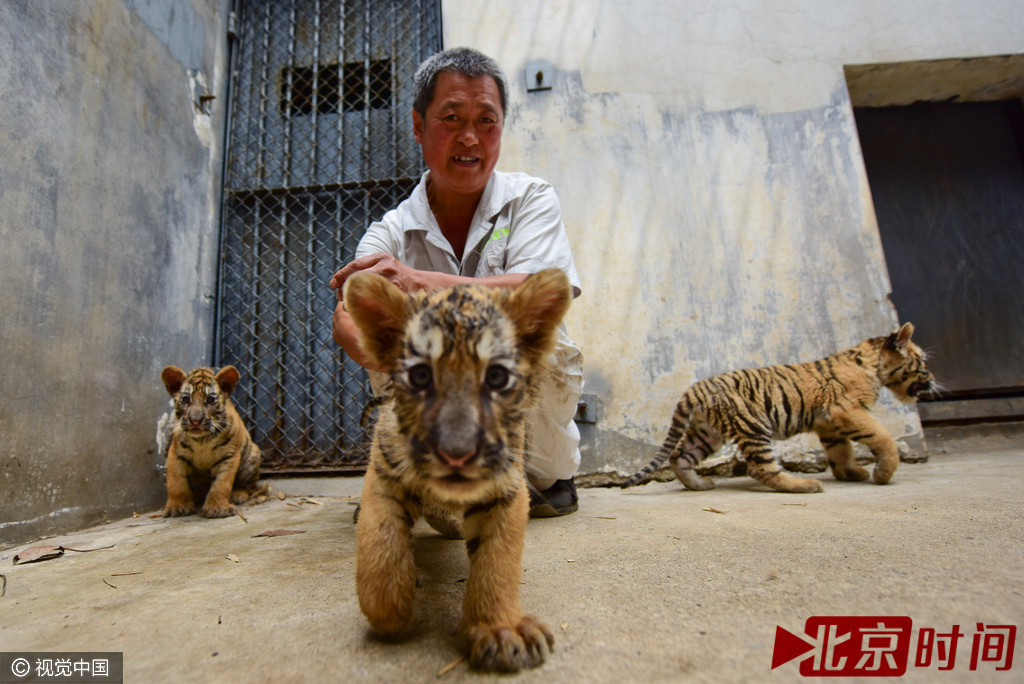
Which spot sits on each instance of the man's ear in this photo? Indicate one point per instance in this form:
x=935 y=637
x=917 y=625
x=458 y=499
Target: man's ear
x=379 y=310
x=536 y=308
x=417 y=126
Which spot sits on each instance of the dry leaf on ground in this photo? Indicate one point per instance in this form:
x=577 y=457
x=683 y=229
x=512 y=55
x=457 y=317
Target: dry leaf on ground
x=35 y=554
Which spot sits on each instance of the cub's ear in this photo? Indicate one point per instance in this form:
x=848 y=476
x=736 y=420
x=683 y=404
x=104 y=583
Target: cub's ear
x=227 y=379
x=898 y=340
x=379 y=309
x=173 y=378
x=536 y=308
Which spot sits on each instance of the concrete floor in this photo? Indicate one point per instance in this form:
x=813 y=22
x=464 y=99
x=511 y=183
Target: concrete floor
x=652 y=584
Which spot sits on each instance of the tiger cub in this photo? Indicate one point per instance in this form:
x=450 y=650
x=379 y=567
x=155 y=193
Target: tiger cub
x=830 y=397
x=209 y=442
x=449 y=445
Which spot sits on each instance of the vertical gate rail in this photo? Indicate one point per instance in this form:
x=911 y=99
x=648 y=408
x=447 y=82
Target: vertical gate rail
x=319 y=145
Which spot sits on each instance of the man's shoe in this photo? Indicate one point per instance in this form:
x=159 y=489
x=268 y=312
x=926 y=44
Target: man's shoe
x=558 y=499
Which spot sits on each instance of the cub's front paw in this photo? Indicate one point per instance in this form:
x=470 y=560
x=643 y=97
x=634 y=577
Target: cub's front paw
x=510 y=648
x=883 y=473
x=218 y=511
x=850 y=473
x=240 y=496
x=174 y=509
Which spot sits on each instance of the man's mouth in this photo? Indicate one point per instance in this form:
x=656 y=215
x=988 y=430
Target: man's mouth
x=466 y=160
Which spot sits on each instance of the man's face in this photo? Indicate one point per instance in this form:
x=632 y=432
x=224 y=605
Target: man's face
x=460 y=133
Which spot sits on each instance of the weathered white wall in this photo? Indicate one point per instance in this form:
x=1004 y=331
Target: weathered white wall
x=710 y=173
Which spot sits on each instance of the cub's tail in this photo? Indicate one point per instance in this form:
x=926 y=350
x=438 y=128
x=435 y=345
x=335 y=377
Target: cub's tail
x=644 y=475
x=682 y=422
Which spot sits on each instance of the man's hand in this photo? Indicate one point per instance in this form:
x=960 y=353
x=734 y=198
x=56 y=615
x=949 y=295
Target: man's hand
x=386 y=265
x=408 y=279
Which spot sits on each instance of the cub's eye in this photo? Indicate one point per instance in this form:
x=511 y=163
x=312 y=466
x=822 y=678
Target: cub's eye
x=497 y=378
x=211 y=400
x=185 y=399
x=420 y=376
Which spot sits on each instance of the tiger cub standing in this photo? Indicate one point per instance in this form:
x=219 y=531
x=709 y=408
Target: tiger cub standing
x=449 y=444
x=209 y=441
x=830 y=397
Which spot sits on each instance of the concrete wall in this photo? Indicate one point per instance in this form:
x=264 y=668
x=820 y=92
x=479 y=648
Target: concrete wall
x=110 y=180
x=711 y=178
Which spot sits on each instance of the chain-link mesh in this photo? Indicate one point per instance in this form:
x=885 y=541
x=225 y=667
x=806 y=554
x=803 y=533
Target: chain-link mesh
x=320 y=145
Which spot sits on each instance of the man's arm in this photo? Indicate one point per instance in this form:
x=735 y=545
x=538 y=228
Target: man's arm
x=409 y=279
x=406 y=279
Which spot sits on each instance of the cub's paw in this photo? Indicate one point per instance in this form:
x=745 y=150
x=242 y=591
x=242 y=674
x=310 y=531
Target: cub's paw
x=883 y=474
x=240 y=496
x=215 y=511
x=510 y=648
x=177 y=509
x=802 y=485
x=850 y=473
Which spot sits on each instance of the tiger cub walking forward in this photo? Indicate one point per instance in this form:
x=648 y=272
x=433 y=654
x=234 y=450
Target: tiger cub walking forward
x=209 y=442
x=449 y=445
x=830 y=397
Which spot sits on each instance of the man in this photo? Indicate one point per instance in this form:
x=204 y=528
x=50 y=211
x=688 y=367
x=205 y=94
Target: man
x=466 y=222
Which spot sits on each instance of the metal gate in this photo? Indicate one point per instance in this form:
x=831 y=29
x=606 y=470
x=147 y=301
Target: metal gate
x=319 y=145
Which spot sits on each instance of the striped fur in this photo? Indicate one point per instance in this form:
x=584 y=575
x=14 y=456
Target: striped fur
x=449 y=445
x=209 y=444
x=831 y=397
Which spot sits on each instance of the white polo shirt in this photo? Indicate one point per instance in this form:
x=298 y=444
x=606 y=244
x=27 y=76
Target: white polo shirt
x=517 y=229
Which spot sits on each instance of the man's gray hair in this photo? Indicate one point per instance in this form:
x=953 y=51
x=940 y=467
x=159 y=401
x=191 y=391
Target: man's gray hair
x=461 y=60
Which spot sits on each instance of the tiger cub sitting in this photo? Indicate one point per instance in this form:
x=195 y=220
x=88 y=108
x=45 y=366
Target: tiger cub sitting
x=449 y=444
x=830 y=397
x=209 y=444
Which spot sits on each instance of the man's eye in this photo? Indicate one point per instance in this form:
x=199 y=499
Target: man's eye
x=498 y=378
x=420 y=376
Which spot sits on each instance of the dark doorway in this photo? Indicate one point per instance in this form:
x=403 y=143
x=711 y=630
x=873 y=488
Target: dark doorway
x=947 y=180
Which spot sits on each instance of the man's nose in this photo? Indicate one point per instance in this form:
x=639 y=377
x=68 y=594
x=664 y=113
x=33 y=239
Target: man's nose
x=468 y=136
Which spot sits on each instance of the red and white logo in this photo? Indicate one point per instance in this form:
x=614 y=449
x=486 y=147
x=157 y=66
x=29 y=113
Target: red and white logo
x=881 y=646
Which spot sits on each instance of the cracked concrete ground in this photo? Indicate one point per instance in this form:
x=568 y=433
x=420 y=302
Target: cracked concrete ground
x=651 y=584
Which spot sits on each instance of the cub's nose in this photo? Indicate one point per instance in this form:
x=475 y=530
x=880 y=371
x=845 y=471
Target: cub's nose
x=456 y=461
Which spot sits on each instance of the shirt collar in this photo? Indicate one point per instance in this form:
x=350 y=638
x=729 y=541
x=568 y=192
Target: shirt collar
x=492 y=202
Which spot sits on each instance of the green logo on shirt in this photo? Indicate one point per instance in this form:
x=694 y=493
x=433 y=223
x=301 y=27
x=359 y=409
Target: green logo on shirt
x=499 y=233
